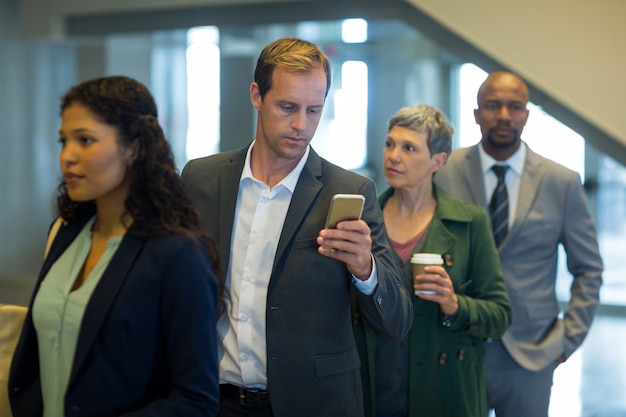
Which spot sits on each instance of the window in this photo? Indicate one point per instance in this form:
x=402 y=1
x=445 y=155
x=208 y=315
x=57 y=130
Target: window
x=203 y=91
x=342 y=137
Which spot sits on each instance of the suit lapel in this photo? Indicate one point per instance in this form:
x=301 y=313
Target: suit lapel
x=230 y=174
x=474 y=176
x=65 y=236
x=529 y=183
x=439 y=238
x=307 y=189
x=103 y=297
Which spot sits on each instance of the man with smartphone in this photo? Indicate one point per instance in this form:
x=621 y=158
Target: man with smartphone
x=287 y=347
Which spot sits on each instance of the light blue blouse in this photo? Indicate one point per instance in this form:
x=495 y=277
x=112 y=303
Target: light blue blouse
x=58 y=313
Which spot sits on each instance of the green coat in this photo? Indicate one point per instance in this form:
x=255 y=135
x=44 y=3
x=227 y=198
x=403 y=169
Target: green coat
x=446 y=364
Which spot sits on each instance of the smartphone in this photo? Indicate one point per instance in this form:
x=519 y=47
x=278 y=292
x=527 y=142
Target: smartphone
x=344 y=207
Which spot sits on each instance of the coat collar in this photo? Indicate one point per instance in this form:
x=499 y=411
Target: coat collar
x=449 y=209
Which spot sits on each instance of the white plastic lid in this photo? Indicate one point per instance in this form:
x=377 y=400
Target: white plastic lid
x=427 y=258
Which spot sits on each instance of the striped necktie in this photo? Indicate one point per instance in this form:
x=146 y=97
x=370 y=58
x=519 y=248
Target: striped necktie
x=499 y=206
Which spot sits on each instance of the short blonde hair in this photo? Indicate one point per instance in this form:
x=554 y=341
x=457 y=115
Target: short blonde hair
x=291 y=54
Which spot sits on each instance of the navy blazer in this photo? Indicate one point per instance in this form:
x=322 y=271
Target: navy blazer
x=147 y=343
x=312 y=361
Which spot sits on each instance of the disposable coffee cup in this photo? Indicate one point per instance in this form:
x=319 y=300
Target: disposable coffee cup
x=421 y=260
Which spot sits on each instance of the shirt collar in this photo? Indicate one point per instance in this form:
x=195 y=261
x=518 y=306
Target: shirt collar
x=289 y=182
x=515 y=161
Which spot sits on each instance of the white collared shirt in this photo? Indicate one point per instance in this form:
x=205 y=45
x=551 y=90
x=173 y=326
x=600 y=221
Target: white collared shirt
x=512 y=178
x=259 y=216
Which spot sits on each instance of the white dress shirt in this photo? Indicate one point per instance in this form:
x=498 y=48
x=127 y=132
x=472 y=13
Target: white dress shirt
x=512 y=178
x=259 y=217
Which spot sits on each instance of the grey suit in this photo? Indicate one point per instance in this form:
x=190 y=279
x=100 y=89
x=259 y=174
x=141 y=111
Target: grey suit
x=551 y=210
x=312 y=361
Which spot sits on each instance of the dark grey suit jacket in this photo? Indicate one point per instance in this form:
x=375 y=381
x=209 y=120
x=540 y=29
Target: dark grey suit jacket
x=312 y=360
x=552 y=210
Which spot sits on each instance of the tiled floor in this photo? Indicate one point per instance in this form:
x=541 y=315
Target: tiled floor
x=592 y=383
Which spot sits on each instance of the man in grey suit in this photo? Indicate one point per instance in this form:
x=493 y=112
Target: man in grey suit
x=544 y=207
x=287 y=347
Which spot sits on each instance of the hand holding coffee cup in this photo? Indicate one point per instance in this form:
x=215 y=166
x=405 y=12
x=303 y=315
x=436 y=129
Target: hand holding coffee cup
x=421 y=260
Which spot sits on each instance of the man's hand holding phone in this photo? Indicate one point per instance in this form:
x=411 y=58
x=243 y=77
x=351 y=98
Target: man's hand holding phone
x=346 y=237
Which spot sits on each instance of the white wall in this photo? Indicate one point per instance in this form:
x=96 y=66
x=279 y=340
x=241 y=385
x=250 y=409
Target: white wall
x=575 y=51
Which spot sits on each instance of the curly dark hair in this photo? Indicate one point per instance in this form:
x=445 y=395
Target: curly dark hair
x=156 y=201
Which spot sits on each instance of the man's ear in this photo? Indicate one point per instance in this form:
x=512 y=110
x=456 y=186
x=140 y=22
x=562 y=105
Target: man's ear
x=255 y=95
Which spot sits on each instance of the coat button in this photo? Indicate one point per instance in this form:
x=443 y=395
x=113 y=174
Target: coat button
x=443 y=358
x=380 y=302
x=461 y=354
